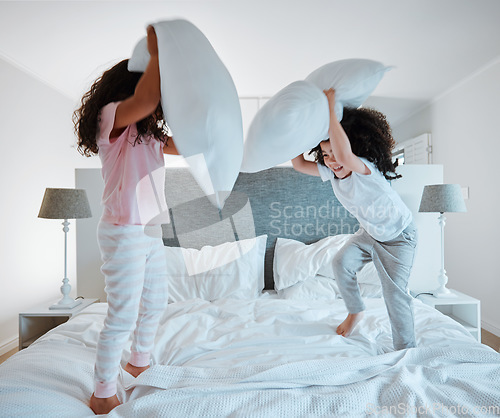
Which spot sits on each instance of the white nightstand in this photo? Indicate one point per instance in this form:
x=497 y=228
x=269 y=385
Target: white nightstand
x=464 y=309
x=35 y=322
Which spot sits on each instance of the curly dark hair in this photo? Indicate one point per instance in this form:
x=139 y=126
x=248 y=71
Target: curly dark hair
x=370 y=136
x=114 y=85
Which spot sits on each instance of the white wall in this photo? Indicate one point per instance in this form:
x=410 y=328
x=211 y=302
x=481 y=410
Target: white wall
x=464 y=123
x=36 y=138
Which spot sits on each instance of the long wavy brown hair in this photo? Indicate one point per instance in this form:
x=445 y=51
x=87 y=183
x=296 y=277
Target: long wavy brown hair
x=370 y=136
x=114 y=85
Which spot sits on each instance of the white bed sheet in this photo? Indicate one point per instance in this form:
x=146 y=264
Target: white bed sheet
x=262 y=357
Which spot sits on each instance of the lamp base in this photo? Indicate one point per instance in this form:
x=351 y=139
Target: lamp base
x=65 y=303
x=443 y=292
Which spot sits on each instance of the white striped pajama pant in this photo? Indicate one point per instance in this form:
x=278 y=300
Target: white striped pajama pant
x=134 y=267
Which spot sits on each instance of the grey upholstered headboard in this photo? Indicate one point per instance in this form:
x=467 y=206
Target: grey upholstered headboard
x=279 y=202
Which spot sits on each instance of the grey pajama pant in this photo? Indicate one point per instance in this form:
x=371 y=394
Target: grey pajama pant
x=393 y=261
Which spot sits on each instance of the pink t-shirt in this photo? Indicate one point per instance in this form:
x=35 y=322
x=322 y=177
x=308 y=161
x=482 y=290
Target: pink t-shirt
x=134 y=175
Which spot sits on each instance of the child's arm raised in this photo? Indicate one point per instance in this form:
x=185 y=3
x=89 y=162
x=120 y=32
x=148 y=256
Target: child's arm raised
x=147 y=92
x=301 y=165
x=341 y=147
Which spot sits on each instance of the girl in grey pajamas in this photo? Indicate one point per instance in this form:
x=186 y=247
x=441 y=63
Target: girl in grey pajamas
x=357 y=160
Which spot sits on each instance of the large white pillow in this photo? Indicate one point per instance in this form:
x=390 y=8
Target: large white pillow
x=326 y=288
x=297 y=118
x=293 y=120
x=230 y=270
x=296 y=262
x=353 y=79
x=200 y=103
x=304 y=271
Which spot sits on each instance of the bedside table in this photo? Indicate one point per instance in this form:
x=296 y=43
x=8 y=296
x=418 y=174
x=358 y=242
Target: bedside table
x=464 y=309
x=35 y=322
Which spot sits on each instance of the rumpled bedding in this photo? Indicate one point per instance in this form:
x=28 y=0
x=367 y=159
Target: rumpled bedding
x=265 y=357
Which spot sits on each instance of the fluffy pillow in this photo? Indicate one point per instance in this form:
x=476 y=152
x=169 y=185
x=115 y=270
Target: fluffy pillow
x=296 y=118
x=326 y=288
x=230 y=270
x=293 y=120
x=296 y=262
x=200 y=103
x=304 y=271
x=353 y=80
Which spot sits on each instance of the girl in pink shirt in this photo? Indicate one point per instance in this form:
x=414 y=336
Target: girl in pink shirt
x=121 y=120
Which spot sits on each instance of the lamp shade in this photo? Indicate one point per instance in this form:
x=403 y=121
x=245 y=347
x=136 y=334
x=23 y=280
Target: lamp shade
x=442 y=198
x=65 y=204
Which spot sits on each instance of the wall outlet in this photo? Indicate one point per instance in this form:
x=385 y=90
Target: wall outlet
x=465 y=192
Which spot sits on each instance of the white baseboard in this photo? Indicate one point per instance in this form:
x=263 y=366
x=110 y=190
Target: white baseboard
x=8 y=345
x=490 y=328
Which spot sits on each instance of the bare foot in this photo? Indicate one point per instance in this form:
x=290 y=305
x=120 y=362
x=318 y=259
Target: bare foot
x=133 y=370
x=346 y=327
x=103 y=405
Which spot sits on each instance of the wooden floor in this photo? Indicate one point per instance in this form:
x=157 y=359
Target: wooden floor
x=5 y=356
x=486 y=338
x=490 y=339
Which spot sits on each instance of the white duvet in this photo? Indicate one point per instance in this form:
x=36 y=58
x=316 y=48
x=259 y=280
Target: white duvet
x=265 y=357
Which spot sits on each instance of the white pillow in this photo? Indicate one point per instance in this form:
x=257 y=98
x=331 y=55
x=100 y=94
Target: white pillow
x=353 y=80
x=296 y=262
x=293 y=120
x=297 y=118
x=230 y=270
x=308 y=268
x=200 y=103
x=325 y=288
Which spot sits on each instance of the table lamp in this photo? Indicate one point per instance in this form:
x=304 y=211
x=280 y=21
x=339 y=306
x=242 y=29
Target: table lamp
x=65 y=204
x=442 y=198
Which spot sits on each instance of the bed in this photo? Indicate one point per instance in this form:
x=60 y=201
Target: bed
x=250 y=327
